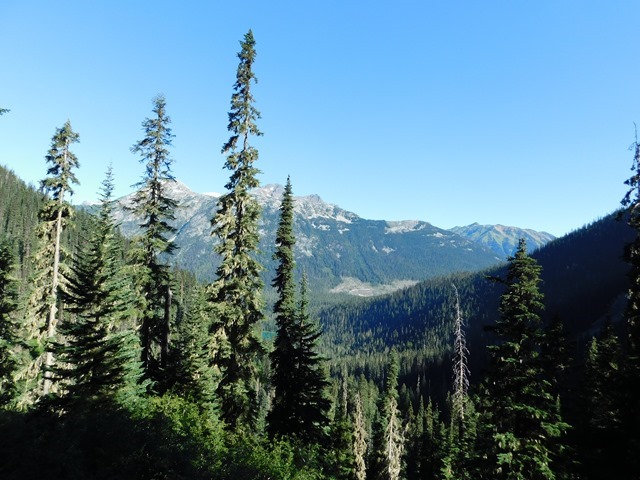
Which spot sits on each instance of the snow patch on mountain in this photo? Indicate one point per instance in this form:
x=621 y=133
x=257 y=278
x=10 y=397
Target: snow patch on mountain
x=404 y=226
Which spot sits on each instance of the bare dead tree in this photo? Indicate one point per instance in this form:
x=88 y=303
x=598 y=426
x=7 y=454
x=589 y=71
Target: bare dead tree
x=460 y=365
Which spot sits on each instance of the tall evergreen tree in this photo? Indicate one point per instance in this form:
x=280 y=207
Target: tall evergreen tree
x=53 y=219
x=101 y=354
x=196 y=377
x=237 y=290
x=631 y=413
x=360 y=440
x=8 y=326
x=312 y=401
x=299 y=408
x=601 y=435
x=282 y=418
x=389 y=434
x=153 y=206
x=520 y=409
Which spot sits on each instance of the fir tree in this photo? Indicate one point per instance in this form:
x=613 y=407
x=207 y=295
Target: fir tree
x=282 y=418
x=313 y=404
x=8 y=326
x=520 y=409
x=156 y=210
x=299 y=408
x=389 y=435
x=42 y=312
x=196 y=377
x=237 y=291
x=360 y=440
x=101 y=354
x=339 y=460
x=601 y=435
x=631 y=409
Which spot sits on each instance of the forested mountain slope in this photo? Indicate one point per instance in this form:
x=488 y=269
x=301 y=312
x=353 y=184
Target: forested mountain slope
x=584 y=281
x=19 y=206
x=332 y=244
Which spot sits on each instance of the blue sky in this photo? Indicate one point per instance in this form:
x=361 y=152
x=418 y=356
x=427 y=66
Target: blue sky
x=511 y=112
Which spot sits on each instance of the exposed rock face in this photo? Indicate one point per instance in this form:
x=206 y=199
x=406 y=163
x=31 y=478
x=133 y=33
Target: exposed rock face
x=332 y=244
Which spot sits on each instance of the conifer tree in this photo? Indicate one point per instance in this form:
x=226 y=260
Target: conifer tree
x=101 y=354
x=360 y=440
x=8 y=326
x=339 y=460
x=237 y=290
x=4 y=110
x=42 y=315
x=282 y=418
x=631 y=373
x=196 y=377
x=601 y=435
x=460 y=368
x=299 y=408
x=520 y=409
x=313 y=403
x=152 y=205
x=389 y=436
x=461 y=434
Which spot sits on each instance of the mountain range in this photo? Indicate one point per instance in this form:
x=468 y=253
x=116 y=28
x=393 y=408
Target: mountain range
x=502 y=239
x=339 y=251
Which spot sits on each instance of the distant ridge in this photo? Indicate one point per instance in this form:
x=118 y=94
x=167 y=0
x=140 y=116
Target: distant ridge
x=332 y=245
x=502 y=239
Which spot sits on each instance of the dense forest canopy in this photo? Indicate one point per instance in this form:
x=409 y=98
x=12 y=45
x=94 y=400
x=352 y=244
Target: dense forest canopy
x=116 y=364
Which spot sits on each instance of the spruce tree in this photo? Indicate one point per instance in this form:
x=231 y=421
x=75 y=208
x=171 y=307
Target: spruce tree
x=152 y=205
x=8 y=326
x=521 y=412
x=237 y=290
x=101 y=354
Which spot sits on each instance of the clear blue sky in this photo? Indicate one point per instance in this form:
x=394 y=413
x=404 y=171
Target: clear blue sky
x=511 y=112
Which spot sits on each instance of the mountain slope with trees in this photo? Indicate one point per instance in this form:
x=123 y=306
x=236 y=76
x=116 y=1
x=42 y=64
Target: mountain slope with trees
x=332 y=244
x=116 y=364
